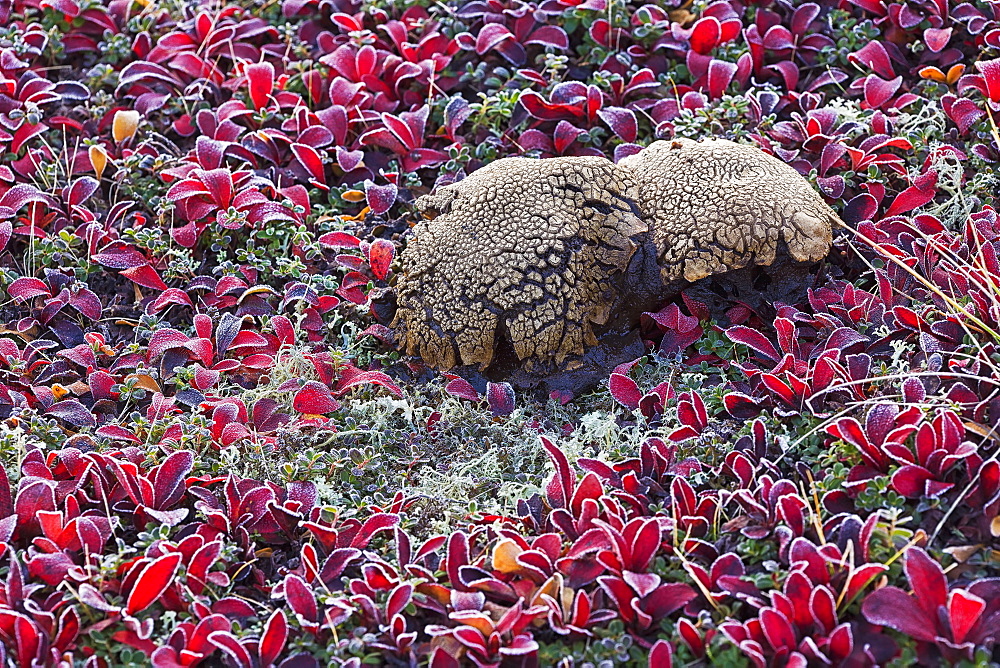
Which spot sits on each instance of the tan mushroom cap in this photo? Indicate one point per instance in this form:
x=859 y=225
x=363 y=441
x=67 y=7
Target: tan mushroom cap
x=716 y=206
x=522 y=247
x=534 y=250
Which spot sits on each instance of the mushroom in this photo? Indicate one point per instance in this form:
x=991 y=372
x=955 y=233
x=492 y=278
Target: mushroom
x=715 y=206
x=523 y=266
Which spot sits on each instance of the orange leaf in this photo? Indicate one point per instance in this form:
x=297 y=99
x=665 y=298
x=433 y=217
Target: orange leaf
x=552 y=588
x=955 y=72
x=933 y=73
x=98 y=160
x=505 y=556
x=146 y=382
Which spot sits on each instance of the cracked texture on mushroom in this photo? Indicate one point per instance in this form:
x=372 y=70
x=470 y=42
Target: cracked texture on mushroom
x=716 y=206
x=542 y=253
x=525 y=248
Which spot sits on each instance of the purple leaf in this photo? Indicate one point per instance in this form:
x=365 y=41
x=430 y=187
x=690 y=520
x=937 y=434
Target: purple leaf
x=74 y=412
x=168 y=483
x=861 y=207
x=754 y=340
x=621 y=121
x=455 y=113
x=893 y=607
x=623 y=151
x=349 y=160
x=380 y=198
x=926 y=579
x=120 y=255
x=461 y=388
x=500 y=397
x=490 y=36
x=911 y=481
x=874 y=56
x=879 y=91
x=311 y=160
x=553 y=36
x=937 y=39
x=962 y=111
x=667 y=598
x=6 y=230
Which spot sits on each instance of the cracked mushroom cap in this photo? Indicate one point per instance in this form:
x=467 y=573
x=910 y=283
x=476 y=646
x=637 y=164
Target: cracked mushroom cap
x=714 y=206
x=530 y=250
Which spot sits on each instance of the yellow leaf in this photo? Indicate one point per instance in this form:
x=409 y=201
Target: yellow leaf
x=27 y=335
x=327 y=219
x=79 y=388
x=98 y=160
x=981 y=430
x=479 y=621
x=145 y=381
x=568 y=597
x=58 y=391
x=124 y=125
x=440 y=594
x=962 y=553
x=256 y=290
x=995 y=527
x=505 y=556
x=353 y=196
x=551 y=588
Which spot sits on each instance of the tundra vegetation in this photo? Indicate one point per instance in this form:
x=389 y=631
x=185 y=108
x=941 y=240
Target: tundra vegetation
x=213 y=453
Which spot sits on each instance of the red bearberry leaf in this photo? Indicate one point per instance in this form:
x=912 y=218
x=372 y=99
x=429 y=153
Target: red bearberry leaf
x=315 y=398
x=260 y=76
x=145 y=276
x=706 y=34
x=152 y=582
x=490 y=36
x=624 y=390
x=27 y=287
